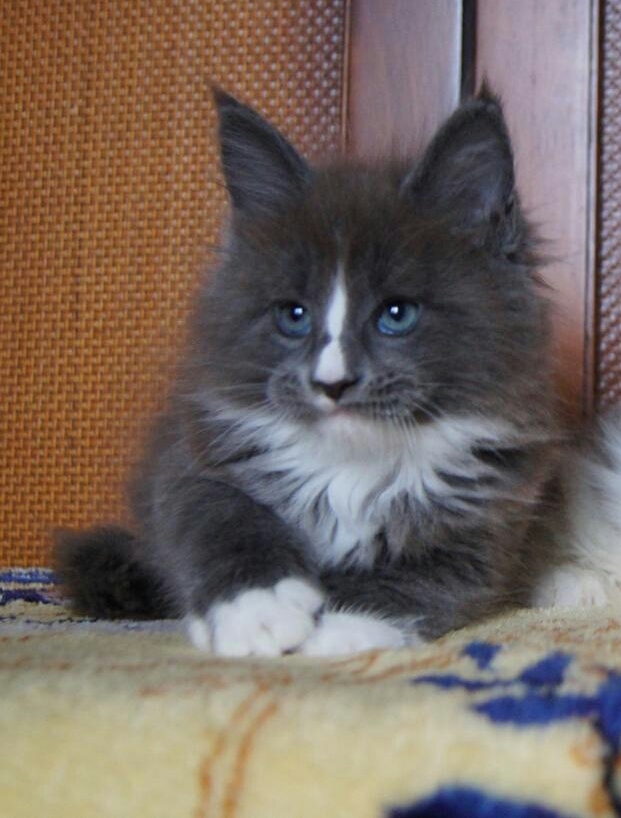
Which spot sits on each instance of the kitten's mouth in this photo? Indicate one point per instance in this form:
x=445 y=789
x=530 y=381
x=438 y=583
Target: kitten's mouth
x=378 y=411
x=372 y=413
x=330 y=411
x=333 y=409
x=341 y=412
x=351 y=413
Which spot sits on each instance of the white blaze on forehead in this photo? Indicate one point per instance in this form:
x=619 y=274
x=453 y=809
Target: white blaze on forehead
x=331 y=366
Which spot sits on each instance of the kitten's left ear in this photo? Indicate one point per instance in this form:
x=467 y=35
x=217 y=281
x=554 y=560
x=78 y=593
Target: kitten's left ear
x=262 y=170
x=467 y=170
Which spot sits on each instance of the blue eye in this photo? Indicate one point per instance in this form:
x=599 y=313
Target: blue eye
x=293 y=320
x=398 y=318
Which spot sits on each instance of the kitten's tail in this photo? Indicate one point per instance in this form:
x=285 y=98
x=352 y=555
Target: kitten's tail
x=103 y=576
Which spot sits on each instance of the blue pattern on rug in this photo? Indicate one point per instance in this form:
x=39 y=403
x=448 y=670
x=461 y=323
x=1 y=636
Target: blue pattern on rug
x=548 y=673
x=532 y=698
x=464 y=802
x=537 y=708
x=29 y=575
x=25 y=595
x=483 y=653
x=22 y=586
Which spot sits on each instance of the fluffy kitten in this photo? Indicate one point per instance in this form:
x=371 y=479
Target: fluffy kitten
x=361 y=444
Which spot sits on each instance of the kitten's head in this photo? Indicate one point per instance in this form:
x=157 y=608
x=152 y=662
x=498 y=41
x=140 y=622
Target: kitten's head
x=404 y=291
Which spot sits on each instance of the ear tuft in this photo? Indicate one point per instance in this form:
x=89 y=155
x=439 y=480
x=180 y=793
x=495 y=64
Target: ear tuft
x=486 y=94
x=262 y=170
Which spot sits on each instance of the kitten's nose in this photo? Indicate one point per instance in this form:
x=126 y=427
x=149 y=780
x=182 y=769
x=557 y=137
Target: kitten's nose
x=336 y=389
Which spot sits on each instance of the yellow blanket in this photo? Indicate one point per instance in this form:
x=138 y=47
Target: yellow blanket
x=519 y=717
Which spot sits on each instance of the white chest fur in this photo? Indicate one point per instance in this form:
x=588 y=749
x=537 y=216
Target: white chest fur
x=343 y=479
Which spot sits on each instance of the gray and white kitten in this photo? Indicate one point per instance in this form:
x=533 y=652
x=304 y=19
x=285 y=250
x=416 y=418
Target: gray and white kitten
x=361 y=447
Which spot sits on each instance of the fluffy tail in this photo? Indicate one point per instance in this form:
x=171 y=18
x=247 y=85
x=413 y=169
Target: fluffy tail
x=104 y=578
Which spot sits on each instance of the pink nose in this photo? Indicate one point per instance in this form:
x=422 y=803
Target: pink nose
x=335 y=390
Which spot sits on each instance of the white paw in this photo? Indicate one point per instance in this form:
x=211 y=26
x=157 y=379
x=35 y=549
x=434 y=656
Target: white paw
x=260 y=621
x=572 y=586
x=345 y=633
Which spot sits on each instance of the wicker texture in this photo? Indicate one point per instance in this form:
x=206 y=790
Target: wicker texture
x=609 y=344
x=111 y=198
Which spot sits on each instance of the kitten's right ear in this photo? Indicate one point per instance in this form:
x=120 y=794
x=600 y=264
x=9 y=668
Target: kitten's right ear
x=262 y=170
x=467 y=170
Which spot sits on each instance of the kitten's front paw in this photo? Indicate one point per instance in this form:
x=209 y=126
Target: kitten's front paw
x=346 y=633
x=260 y=621
x=572 y=586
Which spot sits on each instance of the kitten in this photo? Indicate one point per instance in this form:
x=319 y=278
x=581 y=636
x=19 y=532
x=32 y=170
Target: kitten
x=361 y=447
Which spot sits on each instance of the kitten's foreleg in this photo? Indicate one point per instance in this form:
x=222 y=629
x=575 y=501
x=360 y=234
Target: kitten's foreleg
x=241 y=572
x=401 y=606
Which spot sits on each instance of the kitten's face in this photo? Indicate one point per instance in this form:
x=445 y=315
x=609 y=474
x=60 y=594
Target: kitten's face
x=398 y=294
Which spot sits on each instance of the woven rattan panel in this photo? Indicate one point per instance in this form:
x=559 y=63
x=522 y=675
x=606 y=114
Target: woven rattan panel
x=609 y=344
x=109 y=200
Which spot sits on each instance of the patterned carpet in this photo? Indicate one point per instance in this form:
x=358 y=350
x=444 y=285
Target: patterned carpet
x=516 y=718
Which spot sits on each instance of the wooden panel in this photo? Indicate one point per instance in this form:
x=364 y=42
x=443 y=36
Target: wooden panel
x=542 y=58
x=404 y=72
